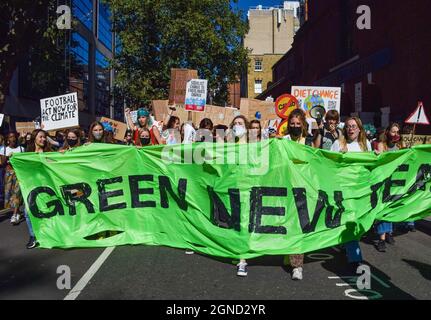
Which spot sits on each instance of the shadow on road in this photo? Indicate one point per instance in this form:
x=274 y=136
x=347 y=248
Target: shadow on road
x=423 y=268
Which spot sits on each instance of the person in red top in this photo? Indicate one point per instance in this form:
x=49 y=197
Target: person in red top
x=144 y=121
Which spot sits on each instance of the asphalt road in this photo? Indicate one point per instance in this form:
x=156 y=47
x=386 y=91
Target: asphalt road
x=161 y=273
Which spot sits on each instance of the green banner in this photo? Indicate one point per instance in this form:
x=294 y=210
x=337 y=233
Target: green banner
x=231 y=200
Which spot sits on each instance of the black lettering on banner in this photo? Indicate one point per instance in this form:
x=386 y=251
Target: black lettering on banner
x=389 y=183
x=423 y=176
x=78 y=192
x=374 y=196
x=34 y=209
x=300 y=195
x=135 y=191
x=105 y=195
x=219 y=214
x=165 y=185
x=257 y=210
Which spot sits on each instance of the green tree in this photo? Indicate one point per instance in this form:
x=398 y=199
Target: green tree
x=157 y=35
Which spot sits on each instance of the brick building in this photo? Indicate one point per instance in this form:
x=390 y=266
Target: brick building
x=383 y=71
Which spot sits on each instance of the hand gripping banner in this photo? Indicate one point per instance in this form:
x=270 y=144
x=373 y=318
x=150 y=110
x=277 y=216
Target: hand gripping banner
x=228 y=200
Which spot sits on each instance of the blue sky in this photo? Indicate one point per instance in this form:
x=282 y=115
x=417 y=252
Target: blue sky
x=245 y=4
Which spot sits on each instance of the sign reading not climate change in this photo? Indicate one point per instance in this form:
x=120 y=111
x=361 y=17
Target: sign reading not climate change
x=59 y=112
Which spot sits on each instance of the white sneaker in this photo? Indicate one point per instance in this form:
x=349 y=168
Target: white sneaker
x=189 y=252
x=241 y=270
x=13 y=219
x=297 y=274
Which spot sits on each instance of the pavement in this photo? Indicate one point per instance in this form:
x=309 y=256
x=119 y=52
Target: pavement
x=403 y=272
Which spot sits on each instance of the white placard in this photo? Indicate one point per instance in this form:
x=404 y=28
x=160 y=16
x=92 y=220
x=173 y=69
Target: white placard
x=196 y=95
x=1 y=119
x=59 y=112
x=308 y=97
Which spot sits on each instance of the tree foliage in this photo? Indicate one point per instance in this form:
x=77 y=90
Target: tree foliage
x=157 y=35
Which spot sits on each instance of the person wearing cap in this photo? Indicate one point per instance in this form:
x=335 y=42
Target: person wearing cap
x=143 y=121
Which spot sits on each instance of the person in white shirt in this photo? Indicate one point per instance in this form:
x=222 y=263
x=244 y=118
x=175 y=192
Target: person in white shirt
x=353 y=139
x=13 y=197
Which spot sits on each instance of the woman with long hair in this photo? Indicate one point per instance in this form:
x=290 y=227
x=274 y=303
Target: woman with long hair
x=390 y=141
x=297 y=128
x=238 y=130
x=144 y=120
x=96 y=133
x=38 y=143
x=255 y=131
x=171 y=134
x=13 y=197
x=73 y=140
x=354 y=139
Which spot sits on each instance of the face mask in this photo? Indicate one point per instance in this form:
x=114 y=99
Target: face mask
x=145 y=141
x=72 y=142
x=238 y=131
x=98 y=136
x=295 y=131
x=396 y=138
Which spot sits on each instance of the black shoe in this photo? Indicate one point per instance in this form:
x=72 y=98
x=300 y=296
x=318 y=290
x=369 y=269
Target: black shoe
x=411 y=228
x=381 y=246
x=390 y=239
x=32 y=243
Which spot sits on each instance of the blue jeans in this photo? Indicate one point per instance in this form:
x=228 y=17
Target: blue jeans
x=384 y=227
x=30 y=228
x=353 y=251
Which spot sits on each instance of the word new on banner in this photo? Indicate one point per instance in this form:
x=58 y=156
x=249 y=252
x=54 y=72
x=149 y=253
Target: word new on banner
x=229 y=200
x=196 y=95
x=59 y=112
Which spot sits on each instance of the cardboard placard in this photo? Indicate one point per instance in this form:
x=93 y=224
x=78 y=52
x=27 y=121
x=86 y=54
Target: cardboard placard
x=24 y=127
x=179 y=79
x=417 y=139
x=60 y=112
x=120 y=128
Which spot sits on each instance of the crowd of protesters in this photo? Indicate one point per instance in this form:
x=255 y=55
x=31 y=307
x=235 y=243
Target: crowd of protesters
x=329 y=135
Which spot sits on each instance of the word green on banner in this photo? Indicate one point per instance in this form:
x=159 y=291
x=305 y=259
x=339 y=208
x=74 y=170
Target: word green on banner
x=229 y=200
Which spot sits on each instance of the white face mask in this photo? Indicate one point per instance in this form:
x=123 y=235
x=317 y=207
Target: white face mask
x=238 y=131
x=98 y=135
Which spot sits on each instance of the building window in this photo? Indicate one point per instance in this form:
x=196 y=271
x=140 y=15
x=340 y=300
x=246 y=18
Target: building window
x=83 y=11
x=104 y=30
x=79 y=57
x=103 y=83
x=257 y=86
x=258 y=65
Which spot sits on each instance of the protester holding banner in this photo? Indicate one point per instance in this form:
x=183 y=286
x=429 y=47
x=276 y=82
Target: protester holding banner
x=255 y=131
x=171 y=134
x=13 y=198
x=144 y=121
x=128 y=138
x=144 y=138
x=353 y=139
x=204 y=133
x=73 y=140
x=219 y=133
x=329 y=133
x=238 y=130
x=391 y=141
x=96 y=134
x=38 y=143
x=297 y=128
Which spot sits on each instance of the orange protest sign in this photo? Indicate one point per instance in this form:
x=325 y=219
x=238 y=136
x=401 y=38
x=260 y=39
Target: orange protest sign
x=285 y=104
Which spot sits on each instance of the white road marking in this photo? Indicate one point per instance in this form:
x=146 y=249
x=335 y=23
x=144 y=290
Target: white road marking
x=77 y=289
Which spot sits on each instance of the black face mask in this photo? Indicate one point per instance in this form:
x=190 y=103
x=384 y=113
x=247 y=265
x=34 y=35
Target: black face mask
x=295 y=131
x=145 y=141
x=72 y=142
